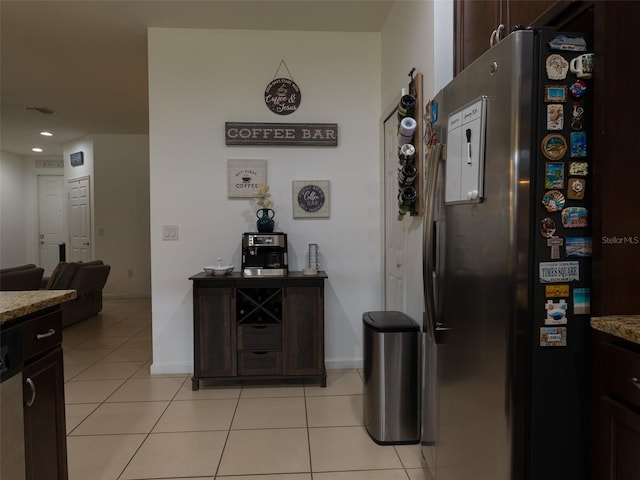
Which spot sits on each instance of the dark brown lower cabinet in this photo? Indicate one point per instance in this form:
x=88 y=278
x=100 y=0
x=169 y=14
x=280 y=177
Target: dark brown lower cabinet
x=616 y=409
x=258 y=328
x=214 y=332
x=621 y=441
x=303 y=328
x=37 y=352
x=44 y=426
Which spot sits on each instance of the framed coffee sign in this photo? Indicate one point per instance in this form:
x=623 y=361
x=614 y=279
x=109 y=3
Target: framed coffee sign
x=244 y=177
x=287 y=134
x=310 y=198
x=282 y=96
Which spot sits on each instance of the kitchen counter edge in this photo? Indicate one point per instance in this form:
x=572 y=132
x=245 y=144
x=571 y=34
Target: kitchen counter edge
x=626 y=327
x=20 y=303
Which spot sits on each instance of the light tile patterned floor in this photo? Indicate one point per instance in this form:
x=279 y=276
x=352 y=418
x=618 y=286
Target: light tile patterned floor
x=124 y=424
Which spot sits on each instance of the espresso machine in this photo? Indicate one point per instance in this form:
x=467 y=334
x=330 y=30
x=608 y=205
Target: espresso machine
x=264 y=254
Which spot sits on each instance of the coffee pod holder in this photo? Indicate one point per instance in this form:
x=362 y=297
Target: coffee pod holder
x=410 y=130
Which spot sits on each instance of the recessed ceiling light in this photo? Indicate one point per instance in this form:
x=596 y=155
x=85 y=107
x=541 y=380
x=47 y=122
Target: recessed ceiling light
x=46 y=134
x=36 y=149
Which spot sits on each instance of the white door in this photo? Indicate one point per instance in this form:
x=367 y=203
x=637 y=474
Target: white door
x=79 y=221
x=393 y=236
x=50 y=220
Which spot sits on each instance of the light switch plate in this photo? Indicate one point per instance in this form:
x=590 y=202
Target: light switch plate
x=169 y=232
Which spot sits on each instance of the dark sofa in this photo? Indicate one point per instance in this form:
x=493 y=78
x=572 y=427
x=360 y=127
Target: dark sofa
x=87 y=279
x=24 y=277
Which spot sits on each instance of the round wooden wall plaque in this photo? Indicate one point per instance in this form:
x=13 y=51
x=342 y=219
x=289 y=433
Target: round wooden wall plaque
x=282 y=96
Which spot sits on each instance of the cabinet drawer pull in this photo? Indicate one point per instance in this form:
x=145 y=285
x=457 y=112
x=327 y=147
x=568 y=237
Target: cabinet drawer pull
x=636 y=382
x=51 y=332
x=33 y=392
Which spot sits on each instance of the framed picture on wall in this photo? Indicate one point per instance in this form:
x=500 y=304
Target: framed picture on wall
x=77 y=159
x=310 y=198
x=244 y=176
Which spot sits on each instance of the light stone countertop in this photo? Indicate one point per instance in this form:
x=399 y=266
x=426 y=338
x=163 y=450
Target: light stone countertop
x=17 y=304
x=626 y=327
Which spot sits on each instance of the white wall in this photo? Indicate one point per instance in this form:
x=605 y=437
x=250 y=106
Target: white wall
x=121 y=180
x=198 y=79
x=13 y=213
x=416 y=34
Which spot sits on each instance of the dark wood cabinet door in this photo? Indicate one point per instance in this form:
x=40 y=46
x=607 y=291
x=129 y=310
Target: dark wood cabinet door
x=620 y=433
x=304 y=331
x=44 y=418
x=475 y=21
x=616 y=196
x=525 y=12
x=214 y=333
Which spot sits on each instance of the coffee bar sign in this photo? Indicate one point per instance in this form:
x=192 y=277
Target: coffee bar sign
x=291 y=134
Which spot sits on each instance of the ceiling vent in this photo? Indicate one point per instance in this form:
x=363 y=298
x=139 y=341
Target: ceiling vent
x=43 y=110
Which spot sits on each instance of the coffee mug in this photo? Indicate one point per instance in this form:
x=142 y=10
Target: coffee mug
x=582 y=65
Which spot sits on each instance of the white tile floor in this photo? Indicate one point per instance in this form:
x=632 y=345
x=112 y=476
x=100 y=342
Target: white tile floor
x=123 y=423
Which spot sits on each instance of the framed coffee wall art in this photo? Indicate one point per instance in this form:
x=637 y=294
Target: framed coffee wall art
x=244 y=177
x=310 y=198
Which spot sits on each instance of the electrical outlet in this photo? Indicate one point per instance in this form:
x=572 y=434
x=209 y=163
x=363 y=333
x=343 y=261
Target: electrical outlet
x=170 y=232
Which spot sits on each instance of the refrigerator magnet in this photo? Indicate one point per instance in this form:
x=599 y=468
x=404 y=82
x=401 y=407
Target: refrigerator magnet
x=547 y=227
x=556 y=312
x=555 y=116
x=575 y=217
x=576 y=116
x=581 y=301
x=555 y=93
x=576 y=188
x=557 y=67
x=578 y=89
x=556 y=291
x=580 y=169
x=555 y=243
x=578 y=247
x=554 y=175
x=578 y=144
x=559 y=272
x=554 y=146
x=571 y=44
x=553 y=336
x=553 y=201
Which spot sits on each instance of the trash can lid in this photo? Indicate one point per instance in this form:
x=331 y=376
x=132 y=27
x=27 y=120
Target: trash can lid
x=390 y=322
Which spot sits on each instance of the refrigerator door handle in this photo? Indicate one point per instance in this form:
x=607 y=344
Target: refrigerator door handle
x=429 y=278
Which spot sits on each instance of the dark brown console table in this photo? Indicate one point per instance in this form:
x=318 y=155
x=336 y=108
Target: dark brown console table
x=258 y=328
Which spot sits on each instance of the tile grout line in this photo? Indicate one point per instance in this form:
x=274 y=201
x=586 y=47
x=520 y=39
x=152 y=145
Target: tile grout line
x=226 y=440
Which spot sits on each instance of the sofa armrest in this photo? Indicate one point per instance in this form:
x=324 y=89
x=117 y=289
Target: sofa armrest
x=28 y=266
x=28 y=279
x=89 y=279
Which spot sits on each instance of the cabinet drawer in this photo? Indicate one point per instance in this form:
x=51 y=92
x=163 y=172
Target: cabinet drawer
x=42 y=333
x=621 y=373
x=260 y=337
x=259 y=363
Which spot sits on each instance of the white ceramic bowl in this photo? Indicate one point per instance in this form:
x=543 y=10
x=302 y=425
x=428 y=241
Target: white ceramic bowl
x=223 y=270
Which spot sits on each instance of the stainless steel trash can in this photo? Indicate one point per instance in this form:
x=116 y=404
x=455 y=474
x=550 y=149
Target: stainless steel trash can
x=391 y=377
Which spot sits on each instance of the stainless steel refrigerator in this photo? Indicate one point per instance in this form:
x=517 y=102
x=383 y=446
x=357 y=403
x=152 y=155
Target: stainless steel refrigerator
x=506 y=264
